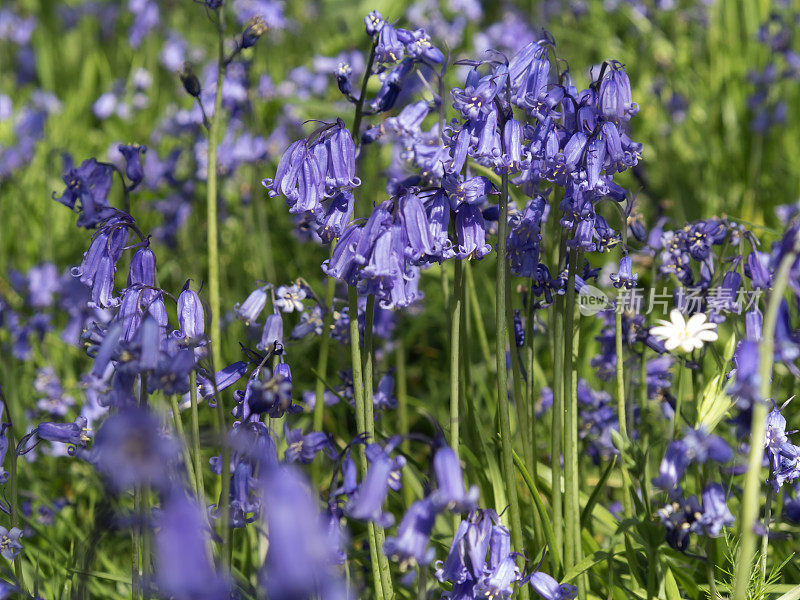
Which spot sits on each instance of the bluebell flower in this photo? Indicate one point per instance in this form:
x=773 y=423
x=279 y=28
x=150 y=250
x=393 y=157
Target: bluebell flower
x=528 y=74
x=614 y=98
x=410 y=547
x=9 y=542
x=184 y=568
x=702 y=446
x=87 y=192
x=75 y=434
x=715 y=510
x=191 y=316
x=256 y=27
x=673 y=466
x=418 y=45
x=549 y=589
x=272 y=334
x=625 y=277
x=341 y=159
x=391 y=83
x=367 y=501
x=757 y=269
x=300 y=177
x=223 y=378
x=471 y=233
x=524 y=238
x=303 y=448
x=133 y=162
x=450 y=493
x=681 y=518
x=746 y=387
x=249 y=310
x=131 y=450
x=384 y=398
x=290 y=298
x=338 y=212
x=469 y=191
x=311 y=321
x=301 y=553
x=389 y=48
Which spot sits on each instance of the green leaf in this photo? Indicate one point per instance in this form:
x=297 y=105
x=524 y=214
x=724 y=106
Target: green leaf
x=548 y=526
x=586 y=514
x=671 y=586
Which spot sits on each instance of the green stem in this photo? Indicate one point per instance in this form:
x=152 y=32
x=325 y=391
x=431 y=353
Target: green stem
x=322 y=363
x=516 y=378
x=196 y=452
x=477 y=316
x=455 y=346
x=556 y=430
x=14 y=500
x=627 y=501
x=358 y=399
x=572 y=512
x=187 y=457
x=402 y=412
x=711 y=569
x=752 y=482
x=215 y=329
x=369 y=421
x=501 y=336
x=765 y=537
x=362 y=97
x=144 y=501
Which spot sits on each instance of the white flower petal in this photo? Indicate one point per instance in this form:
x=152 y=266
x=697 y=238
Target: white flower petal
x=707 y=336
x=671 y=344
x=695 y=321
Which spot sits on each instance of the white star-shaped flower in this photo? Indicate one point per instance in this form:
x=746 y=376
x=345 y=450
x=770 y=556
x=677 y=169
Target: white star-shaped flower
x=686 y=335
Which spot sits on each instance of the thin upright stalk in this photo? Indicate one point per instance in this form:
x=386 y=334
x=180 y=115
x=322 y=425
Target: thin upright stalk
x=197 y=455
x=477 y=316
x=322 y=359
x=402 y=411
x=509 y=474
x=187 y=457
x=143 y=516
x=456 y=306
x=358 y=399
x=533 y=465
x=516 y=378
x=571 y=519
x=556 y=430
x=627 y=501
x=363 y=95
x=752 y=482
x=369 y=422
x=215 y=328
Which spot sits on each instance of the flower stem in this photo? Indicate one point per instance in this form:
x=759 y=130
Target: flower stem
x=369 y=421
x=556 y=430
x=187 y=457
x=627 y=501
x=456 y=306
x=215 y=329
x=358 y=398
x=477 y=316
x=322 y=362
x=571 y=512
x=752 y=483
x=196 y=452
x=501 y=335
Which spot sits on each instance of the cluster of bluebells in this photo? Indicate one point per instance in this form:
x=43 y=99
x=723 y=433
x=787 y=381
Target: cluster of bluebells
x=684 y=516
x=29 y=107
x=768 y=106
